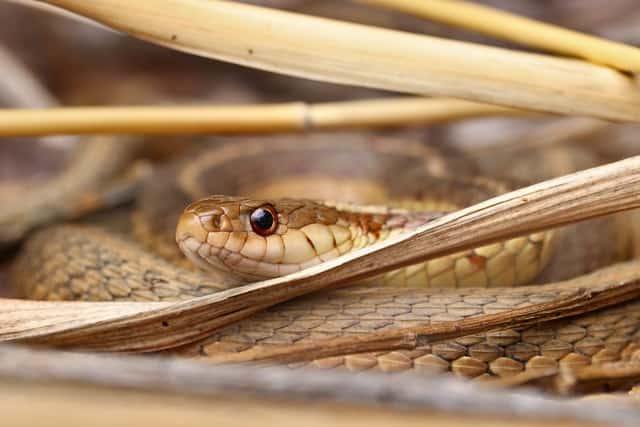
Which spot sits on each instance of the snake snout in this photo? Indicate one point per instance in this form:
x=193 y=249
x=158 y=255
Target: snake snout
x=190 y=227
x=191 y=236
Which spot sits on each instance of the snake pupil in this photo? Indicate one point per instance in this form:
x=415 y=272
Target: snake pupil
x=263 y=220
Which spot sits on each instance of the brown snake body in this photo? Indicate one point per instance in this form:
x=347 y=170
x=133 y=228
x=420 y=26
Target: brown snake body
x=76 y=262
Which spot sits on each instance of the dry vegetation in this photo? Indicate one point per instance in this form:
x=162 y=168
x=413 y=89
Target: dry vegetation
x=568 y=73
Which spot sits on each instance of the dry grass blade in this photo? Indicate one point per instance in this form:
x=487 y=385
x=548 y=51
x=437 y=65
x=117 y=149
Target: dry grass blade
x=296 y=116
x=132 y=327
x=272 y=40
x=525 y=31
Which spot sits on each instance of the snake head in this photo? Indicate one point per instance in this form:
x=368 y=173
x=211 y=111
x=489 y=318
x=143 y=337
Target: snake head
x=257 y=239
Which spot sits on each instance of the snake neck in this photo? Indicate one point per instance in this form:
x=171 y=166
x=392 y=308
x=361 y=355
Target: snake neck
x=514 y=262
x=366 y=225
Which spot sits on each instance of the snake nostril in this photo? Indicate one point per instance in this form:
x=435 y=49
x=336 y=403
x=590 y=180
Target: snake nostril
x=211 y=222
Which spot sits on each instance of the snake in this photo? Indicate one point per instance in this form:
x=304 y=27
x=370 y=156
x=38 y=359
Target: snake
x=240 y=211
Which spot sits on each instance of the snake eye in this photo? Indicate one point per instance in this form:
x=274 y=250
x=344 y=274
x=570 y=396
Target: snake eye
x=264 y=220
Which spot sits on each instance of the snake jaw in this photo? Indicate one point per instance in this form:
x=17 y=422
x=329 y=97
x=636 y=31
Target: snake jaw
x=190 y=237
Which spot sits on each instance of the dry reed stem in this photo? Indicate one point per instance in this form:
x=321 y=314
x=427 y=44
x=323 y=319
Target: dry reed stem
x=520 y=29
x=354 y=54
x=152 y=326
x=72 y=405
x=63 y=389
x=295 y=116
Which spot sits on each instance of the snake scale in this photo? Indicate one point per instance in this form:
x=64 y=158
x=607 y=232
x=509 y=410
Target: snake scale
x=240 y=239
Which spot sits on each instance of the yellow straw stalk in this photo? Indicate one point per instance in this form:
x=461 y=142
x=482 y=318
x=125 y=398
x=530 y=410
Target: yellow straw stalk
x=295 y=116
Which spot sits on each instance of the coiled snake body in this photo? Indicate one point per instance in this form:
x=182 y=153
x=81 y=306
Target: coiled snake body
x=240 y=239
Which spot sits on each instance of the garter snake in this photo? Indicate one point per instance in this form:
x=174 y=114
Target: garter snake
x=242 y=239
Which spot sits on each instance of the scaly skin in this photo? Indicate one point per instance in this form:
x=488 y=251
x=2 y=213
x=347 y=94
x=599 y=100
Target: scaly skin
x=74 y=262
x=603 y=336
